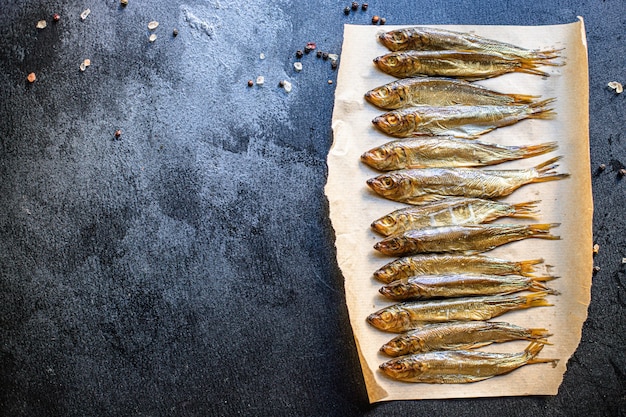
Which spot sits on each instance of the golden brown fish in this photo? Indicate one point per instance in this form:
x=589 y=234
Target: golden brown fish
x=467 y=122
x=458 y=335
x=451 y=264
x=439 y=91
x=450 y=211
x=460 y=366
x=415 y=186
x=411 y=315
x=426 y=38
x=424 y=287
x=468 y=239
x=468 y=65
x=448 y=152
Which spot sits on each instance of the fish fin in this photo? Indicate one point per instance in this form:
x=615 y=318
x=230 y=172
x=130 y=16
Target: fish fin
x=542 y=230
x=522 y=98
x=546 y=172
x=539 y=109
x=425 y=199
x=535 y=300
x=533 y=350
x=528 y=267
x=537 y=284
x=542 y=334
x=527 y=209
x=535 y=150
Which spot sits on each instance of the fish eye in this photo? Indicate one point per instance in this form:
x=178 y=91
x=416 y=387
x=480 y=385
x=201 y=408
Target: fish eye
x=387 y=182
x=392 y=60
x=383 y=92
x=399 y=37
x=386 y=316
x=388 y=221
x=392 y=119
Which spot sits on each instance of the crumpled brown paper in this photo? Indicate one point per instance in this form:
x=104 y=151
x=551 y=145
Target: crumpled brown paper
x=568 y=202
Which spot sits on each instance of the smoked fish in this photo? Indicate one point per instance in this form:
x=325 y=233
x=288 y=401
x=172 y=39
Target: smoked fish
x=450 y=211
x=439 y=91
x=430 y=264
x=410 y=315
x=425 y=287
x=415 y=186
x=460 y=366
x=468 y=239
x=459 y=335
x=426 y=38
x=461 y=121
x=448 y=152
x=467 y=65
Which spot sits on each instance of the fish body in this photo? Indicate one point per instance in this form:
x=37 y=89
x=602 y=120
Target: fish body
x=410 y=315
x=463 y=121
x=425 y=38
x=468 y=239
x=450 y=211
x=446 y=152
x=439 y=91
x=458 y=335
x=415 y=186
x=425 y=287
x=430 y=264
x=467 y=65
x=460 y=366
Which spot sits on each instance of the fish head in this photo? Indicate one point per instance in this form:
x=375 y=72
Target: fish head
x=386 y=225
x=384 y=96
x=385 y=184
x=395 y=290
x=403 y=367
x=395 y=40
x=387 y=318
x=388 y=63
x=389 y=272
x=394 y=123
x=391 y=245
x=380 y=158
x=397 y=346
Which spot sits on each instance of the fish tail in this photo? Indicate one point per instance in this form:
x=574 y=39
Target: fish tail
x=538 y=284
x=529 y=66
x=540 y=149
x=527 y=209
x=548 y=56
x=522 y=98
x=528 y=267
x=535 y=300
x=540 y=109
x=543 y=230
x=546 y=172
x=533 y=350
x=541 y=334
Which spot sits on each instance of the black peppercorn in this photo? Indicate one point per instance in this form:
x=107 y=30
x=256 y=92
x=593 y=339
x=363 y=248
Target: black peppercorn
x=299 y=53
x=346 y=11
x=383 y=20
x=364 y=6
x=355 y=5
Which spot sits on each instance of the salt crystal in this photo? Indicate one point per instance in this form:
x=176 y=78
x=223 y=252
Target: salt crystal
x=297 y=66
x=41 y=24
x=333 y=57
x=153 y=25
x=262 y=55
x=84 y=14
x=152 y=37
x=616 y=86
x=287 y=86
x=260 y=80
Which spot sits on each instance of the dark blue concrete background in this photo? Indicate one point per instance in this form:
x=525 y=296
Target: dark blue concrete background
x=188 y=268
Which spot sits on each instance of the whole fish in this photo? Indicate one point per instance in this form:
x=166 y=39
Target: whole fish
x=415 y=186
x=446 y=152
x=439 y=91
x=468 y=65
x=468 y=239
x=450 y=211
x=460 y=366
x=458 y=335
x=424 y=287
x=426 y=38
x=451 y=264
x=411 y=315
x=467 y=122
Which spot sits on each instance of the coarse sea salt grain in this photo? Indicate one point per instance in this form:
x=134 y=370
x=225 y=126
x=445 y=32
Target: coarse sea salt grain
x=297 y=66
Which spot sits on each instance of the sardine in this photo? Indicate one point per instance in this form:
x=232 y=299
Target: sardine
x=467 y=122
x=468 y=239
x=426 y=38
x=415 y=186
x=439 y=91
x=459 y=335
x=468 y=65
x=451 y=264
x=460 y=366
x=448 y=152
x=425 y=287
x=410 y=315
x=450 y=211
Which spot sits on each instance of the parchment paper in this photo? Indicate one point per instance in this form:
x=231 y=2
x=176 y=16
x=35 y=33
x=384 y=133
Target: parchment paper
x=568 y=202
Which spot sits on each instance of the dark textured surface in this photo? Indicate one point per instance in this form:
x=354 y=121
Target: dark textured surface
x=188 y=267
